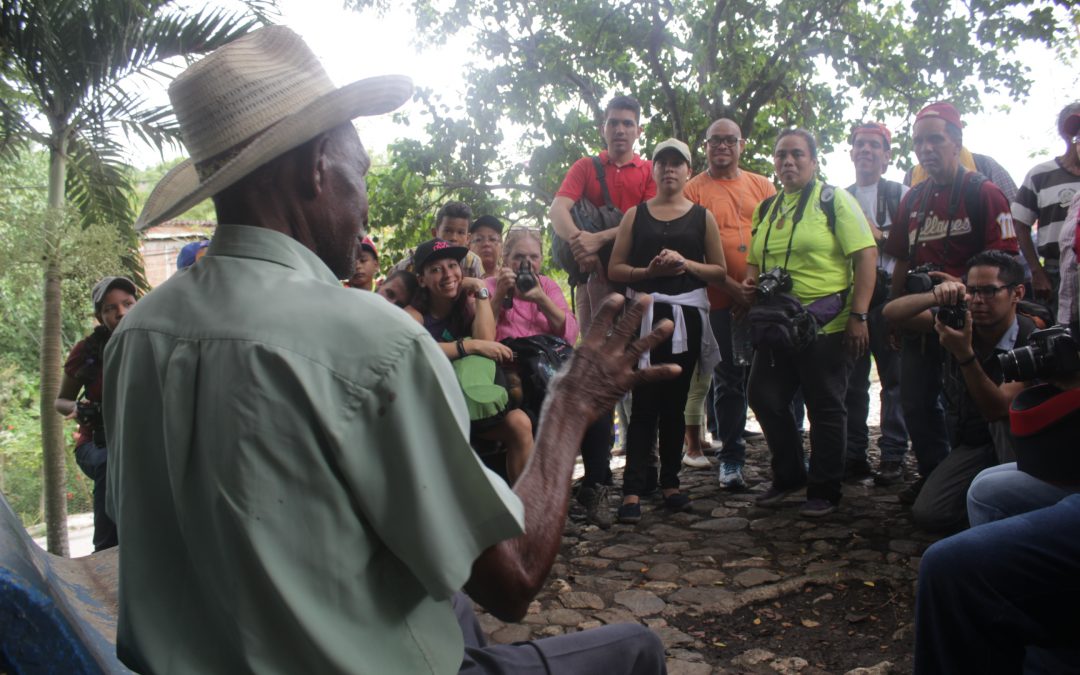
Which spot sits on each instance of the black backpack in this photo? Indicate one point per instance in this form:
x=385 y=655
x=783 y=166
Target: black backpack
x=536 y=360
x=590 y=218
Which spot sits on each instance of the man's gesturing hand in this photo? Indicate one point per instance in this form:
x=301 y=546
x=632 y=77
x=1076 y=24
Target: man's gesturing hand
x=602 y=368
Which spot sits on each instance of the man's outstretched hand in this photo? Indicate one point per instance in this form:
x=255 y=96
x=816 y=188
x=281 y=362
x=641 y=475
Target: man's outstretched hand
x=602 y=368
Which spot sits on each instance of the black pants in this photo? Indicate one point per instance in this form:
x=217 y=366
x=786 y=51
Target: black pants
x=660 y=406
x=822 y=370
x=596 y=452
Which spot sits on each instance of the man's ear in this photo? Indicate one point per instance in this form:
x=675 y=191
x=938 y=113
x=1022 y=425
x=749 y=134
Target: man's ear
x=1018 y=291
x=313 y=164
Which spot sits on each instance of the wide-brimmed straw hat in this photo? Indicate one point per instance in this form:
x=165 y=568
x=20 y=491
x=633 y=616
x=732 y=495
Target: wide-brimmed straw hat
x=253 y=100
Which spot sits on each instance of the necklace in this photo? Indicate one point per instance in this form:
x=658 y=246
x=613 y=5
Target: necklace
x=786 y=211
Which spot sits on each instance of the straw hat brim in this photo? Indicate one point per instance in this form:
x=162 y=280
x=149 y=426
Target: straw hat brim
x=181 y=188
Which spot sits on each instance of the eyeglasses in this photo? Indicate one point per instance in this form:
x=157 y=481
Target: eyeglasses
x=717 y=141
x=986 y=292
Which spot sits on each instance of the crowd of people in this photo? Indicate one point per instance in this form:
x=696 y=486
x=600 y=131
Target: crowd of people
x=323 y=460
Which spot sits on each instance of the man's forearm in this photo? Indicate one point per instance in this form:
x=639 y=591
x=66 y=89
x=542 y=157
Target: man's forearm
x=559 y=214
x=1027 y=246
x=905 y=311
x=507 y=576
x=865 y=278
x=991 y=399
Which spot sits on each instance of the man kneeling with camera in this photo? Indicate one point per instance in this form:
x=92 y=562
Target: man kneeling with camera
x=975 y=321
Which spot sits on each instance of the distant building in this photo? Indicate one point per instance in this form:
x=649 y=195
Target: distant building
x=160 y=246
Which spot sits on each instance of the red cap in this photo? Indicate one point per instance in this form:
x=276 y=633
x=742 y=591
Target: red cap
x=1072 y=124
x=872 y=128
x=943 y=110
x=369 y=245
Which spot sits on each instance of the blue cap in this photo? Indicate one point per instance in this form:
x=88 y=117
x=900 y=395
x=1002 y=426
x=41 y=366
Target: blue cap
x=191 y=253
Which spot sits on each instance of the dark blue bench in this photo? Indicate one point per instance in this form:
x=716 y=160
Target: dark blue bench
x=57 y=615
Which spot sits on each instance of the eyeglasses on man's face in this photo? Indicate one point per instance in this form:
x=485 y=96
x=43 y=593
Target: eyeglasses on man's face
x=986 y=292
x=717 y=140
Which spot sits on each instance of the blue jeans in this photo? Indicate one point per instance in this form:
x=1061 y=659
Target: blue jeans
x=894 y=436
x=920 y=395
x=729 y=393
x=989 y=593
x=92 y=458
x=1004 y=491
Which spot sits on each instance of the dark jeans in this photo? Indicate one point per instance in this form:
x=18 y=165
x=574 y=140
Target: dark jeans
x=92 y=459
x=822 y=370
x=596 y=452
x=619 y=649
x=920 y=394
x=990 y=594
x=894 y=437
x=660 y=406
x=729 y=393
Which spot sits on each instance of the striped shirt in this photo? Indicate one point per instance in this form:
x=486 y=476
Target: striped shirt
x=1044 y=197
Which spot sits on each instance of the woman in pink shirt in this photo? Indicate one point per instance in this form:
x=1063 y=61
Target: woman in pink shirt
x=541 y=309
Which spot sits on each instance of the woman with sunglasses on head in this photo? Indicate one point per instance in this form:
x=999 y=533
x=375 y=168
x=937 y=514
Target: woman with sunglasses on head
x=795 y=234
x=668 y=247
x=455 y=311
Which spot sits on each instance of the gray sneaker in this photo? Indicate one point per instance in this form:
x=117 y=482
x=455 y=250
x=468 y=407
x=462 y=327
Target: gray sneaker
x=731 y=477
x=889 y=473
x=595 y=501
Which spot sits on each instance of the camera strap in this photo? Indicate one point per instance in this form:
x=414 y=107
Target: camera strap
x=770 y=218
x=955 y=195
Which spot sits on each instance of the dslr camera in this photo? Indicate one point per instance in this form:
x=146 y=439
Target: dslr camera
x=770 y=283
x=953 y=316
x=525 y=279
x=88 y=413
x=919 y=280
x=1051 y=351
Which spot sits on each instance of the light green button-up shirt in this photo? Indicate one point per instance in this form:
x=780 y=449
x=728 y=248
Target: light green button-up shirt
x=290 y=474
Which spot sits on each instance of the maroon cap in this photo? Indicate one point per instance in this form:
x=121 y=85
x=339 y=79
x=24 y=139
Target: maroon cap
x=943 y=110
x=1072 y=124
x=872 y=128
x=369 y=245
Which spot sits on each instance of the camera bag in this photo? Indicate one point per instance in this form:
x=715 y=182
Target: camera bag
x=590 y=218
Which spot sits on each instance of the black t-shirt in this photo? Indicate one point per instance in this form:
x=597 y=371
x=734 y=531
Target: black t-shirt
x=685 y=234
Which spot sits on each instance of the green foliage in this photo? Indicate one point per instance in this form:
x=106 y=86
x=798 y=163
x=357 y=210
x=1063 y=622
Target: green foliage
x=547 y=70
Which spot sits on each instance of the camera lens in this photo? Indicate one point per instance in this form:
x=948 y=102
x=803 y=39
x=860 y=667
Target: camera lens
x=1019 y=364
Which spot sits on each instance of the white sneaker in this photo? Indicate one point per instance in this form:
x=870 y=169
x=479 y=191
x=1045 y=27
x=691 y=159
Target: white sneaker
x=699 y=462
x=731 y=477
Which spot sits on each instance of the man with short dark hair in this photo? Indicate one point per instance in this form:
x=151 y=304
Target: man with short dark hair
x=1044 y=198
x=629 y=182
x=943 y=221
x=485 y=240
x=293 y=478
x=978 y=398
x=731 y=194
x=452 y=225
x=879 y=198
x=113 y=297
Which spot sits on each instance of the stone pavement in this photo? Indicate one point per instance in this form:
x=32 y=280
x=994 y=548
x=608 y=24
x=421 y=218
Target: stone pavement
x=735 y=588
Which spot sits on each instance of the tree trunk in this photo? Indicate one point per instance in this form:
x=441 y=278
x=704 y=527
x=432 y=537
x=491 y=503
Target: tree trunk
x=52 y=424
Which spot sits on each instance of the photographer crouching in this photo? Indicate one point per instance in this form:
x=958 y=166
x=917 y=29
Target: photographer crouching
x=975 y=321
x=81 y=393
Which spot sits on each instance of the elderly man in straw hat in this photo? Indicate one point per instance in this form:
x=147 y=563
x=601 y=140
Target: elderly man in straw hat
x=286 y=506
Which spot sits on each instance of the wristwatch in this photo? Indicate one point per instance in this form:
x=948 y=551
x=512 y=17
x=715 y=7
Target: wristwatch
x=861 y=316
x=483 y=293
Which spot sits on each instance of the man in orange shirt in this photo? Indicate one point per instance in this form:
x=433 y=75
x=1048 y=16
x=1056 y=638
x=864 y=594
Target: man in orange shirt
x=731 y=194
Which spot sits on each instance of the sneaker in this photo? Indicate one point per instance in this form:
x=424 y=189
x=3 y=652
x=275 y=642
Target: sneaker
x=595 y=501
x=857 y=469
x=889 y=473
x=699 y=462
x=816 y=508
x=908 y=495
x=731 y=477
x=629 y=513
x=748 y=434
x=772 y=496
x=677 y=502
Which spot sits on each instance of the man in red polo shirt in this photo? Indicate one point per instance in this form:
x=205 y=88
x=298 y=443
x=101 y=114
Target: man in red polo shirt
x=629 y=182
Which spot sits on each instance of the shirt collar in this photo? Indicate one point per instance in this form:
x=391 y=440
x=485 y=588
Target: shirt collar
x=259 y=243
x=1008 y=340
x=634 y=161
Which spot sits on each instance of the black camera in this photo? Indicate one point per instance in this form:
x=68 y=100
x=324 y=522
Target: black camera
x=918 y=279
x=1051 y=351
x=776 y=280
x=525 y=280
x=88 y=413
x=953 y=316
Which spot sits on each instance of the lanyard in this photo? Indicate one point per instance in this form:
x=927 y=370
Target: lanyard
x=804 y=197
x=954 y=203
